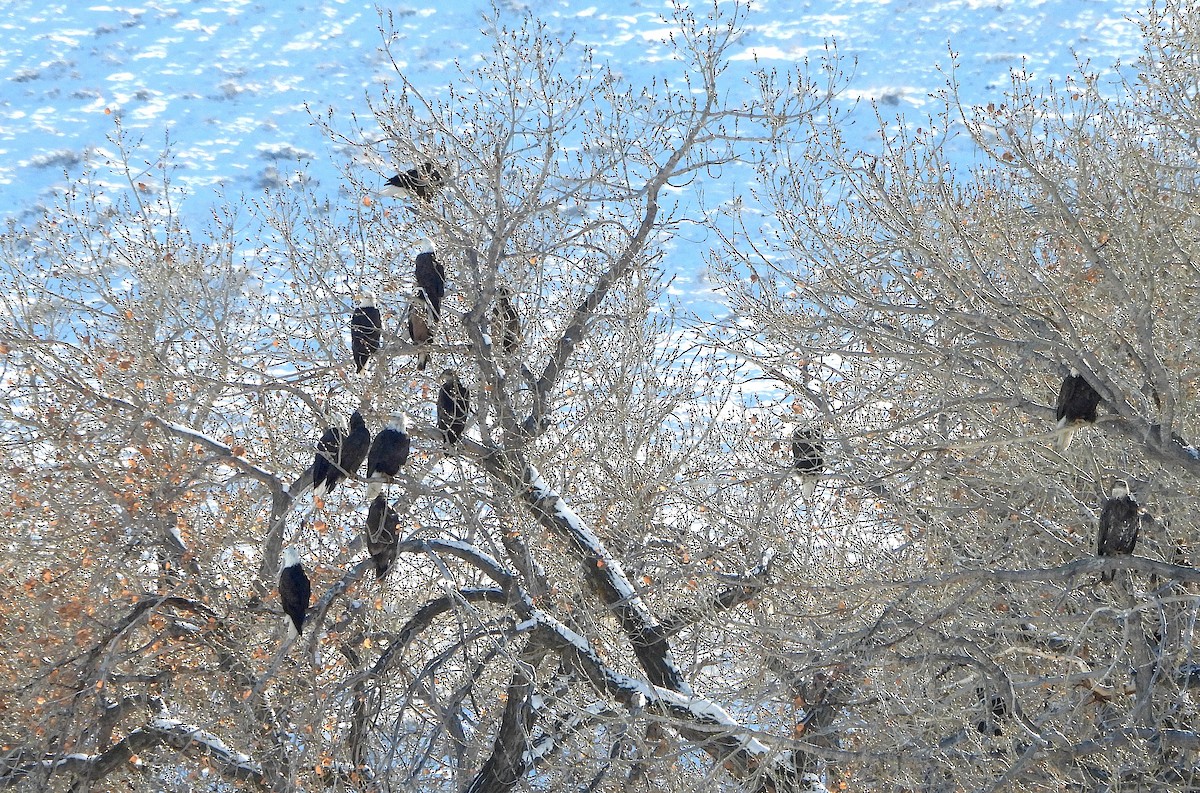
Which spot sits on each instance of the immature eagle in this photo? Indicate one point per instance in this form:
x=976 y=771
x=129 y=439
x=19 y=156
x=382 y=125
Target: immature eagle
x=808 y=457
x=506 y=323
x=366 y=329
x=453 y=406
x=388 y=453
x=294 y=591
x=431 y=278
x=340 y=454
x=1077 y=403
x=1119 y=524
x=422 y=181
x=382 y=535
x=420 y=329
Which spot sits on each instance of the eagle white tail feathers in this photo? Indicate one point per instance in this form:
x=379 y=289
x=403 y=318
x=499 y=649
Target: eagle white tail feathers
x=1063 y=436
x=373 y=489
x=808 y=486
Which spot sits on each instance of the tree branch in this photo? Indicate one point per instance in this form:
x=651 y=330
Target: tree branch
x=186 y=739
x=510 y=758
x=750 y=585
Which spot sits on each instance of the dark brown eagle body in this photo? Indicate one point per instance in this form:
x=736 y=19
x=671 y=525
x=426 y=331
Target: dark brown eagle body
x=382 y=535
x=1077 y=404
x=422 y=181
x=340 y=453
x=453 y=407
x=431 y=280
x=295 y=590
x=1120 y=520
x=808 y=457
x=420 y=329
x=506 y=323
x=366 y=330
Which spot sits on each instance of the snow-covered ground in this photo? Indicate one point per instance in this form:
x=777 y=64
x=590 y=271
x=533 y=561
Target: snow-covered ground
x=230 y=83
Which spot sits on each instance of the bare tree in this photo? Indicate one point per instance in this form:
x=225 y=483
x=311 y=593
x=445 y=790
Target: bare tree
x=925 y=318
x=580 y=579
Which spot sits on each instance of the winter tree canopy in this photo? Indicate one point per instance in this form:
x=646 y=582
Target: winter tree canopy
x=621 y=575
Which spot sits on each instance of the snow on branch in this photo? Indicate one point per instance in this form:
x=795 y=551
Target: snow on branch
x=214 y=445
x=606 y=574
x=145 y=606
x=621 y=686
x=585 y=540
x=552 y=740
x=220 y=641
x=469 y=553
x=696 y=718
x=185 y=738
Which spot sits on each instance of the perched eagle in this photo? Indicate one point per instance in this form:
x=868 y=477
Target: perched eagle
x=422 y=181
x=366 y=329
x=420 y=329
x=431 y=278
x=340 y=454
x=506 y=323
x=325 y=463
x=294 y=591
x=1119 y=523
x=453 y=406
x=808 y=458
x=382 y=535
x=995 y=709
x=389 y=451
x=1077 y=403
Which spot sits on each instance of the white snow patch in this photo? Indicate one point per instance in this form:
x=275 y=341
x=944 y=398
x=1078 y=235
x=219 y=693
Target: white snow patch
x=196 y=25
x=158 y=51
x=150 y=109
x=702 y=709
x=204 y=737
x=771 y=53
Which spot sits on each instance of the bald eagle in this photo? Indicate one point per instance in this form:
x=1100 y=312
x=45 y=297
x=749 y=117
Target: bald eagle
x=420 y=329
x=382 y=535
x=431 y=278
x=506 y=323
x=366 y=329
x=1077 y=403
x=808 y=457
x=340 y=454
x=453 y=406
x=389 y=451
x=1119 y=524
x=325 y=463
x=294 y=591
x=422 y=181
